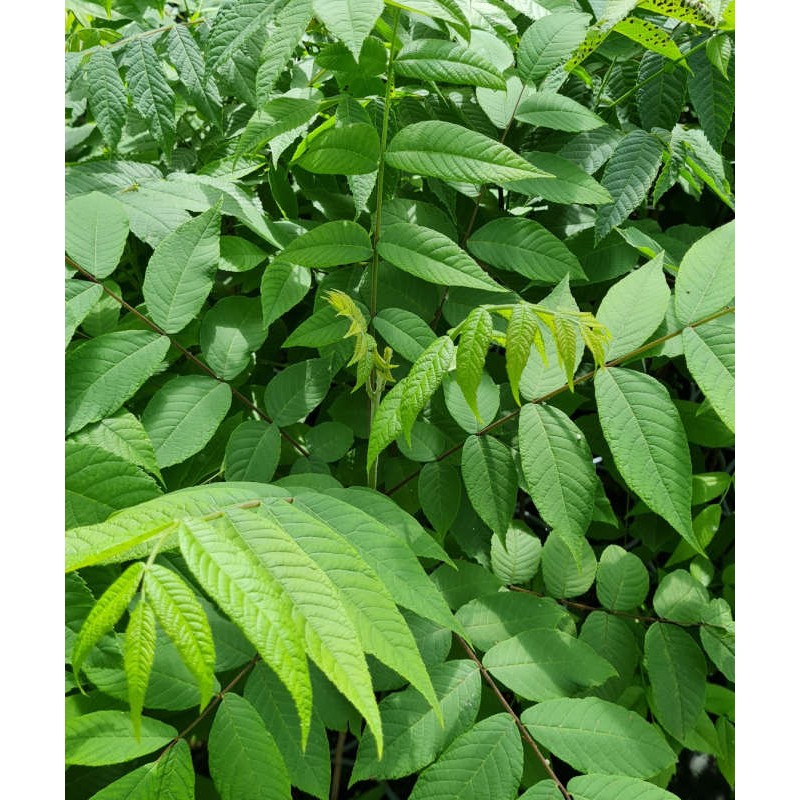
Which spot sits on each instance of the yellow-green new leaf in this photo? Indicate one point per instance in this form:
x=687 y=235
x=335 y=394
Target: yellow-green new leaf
x=423 y=380
x=473 y=345
x=447 y=62
x=387 y=424
x=522 y=333
x=109 y=608
x=140 y=651
x=182 y=617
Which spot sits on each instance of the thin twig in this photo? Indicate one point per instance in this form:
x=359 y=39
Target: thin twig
x=520 y=726
x=193 y=358
x=336 y=778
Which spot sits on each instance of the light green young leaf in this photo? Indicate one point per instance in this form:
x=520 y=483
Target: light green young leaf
x=628 y=177
x=622 y=579
x=644 y=432
x=252 y=452
x=244 y=760
x=283 y=286
x=296 y=391
x=556 y=111
x=548 y=42
x=594 y=735
x=522 y=334
x=329 y=245
x=454 y=153
x=677 y=670
x=96 y=232
x=432 y=256
x=521 y=245
x=473 y=345
x=486 y=761
x=108 y=737
x=569 y=184
x=181 y=272
x=569 y=565
x=183 y=415
x=140 y=651
x=349 y=20
x=387 y=424
x=182 y=617
x=150 y=90
x=423 y=380
x=446 y=62
x=349 y=150
x=80 y=297
x=414 y=737
x=107 y=96
x=515 y=554
x=705 y=281
x=230 y=332
x=543 y=664
x=615 y=787
x=710 y=357
x=490 y=477
x=634 y=307
x=105 y=613
x=558 y=469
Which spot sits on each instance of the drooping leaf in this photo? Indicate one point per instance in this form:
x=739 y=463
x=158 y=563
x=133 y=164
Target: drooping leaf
x=446 y=62
x=549 y=42
x=522 y=334
x=432 y=256
x=423 y=380
x=186 y=56
x=96 y=232
x=648 y=442
x=660 y=100
x=183 y=415
x=140 y=650
x=290 y=25
x=243 y=757
x=486 y=761
x=718 y=637
x=104 y=372
x=557 y=111
x=712 y=96
x=490 y=478
x=594 y=735
x=473 y=345
x=558 y=469
x=455 y=153
x=109 y=100
x=236 y=24
x=349 y=20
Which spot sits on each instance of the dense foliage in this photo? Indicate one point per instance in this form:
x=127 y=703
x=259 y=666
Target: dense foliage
x=399 y=398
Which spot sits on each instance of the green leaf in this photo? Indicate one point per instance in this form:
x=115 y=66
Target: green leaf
x=290 y=26
x=644 y=432
x=440 y=494
x=594 y=735
x=349 y=20
x=140 y=650
x=615 y=787
x=432 y=256
x=230 y=332
x=244 y=760
x=545 y=664
x=490 y=477
x=680 y=597
x=628 y=177
x=310 y=771
x=105 y=613
x=414 y=737
x=423 y=380
x=181 y=272
x=150 y=90
x=515 y=554
x=107 y=95
x=183 y=415
x=296 y=391
x=486 y=761
x=188 y=60
x=124 y=436
x=325 y=326
x=236 y=24
x=677 y=671
x=446 y=62
x=526 y=247
x=558 y=469
x=523 y=333
x=488 y=401
x=405 y=332
x=96 y=232
x=283 y=286
x=182 y=617
x=622 y=579
x=454 y=153
x=660 y=100
x=104 y=372
x=108 y=737
x=329 y=245
x=80 y=298
x=278 y=116
x=712 y=96
x=549 y=42
x=329 y=441
x=556 y=111
x=239 y=255
x=569 y=184
x=650 y=36
x=611 y=637
x=473 y=345
x=705 y=281
x=387 y=424
x=634 y=307
x=99 y=483
x=717 y=636
x=349 y=150
x=252 y=452
x=710 y=357
x=170 y=776
x=569 y=565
